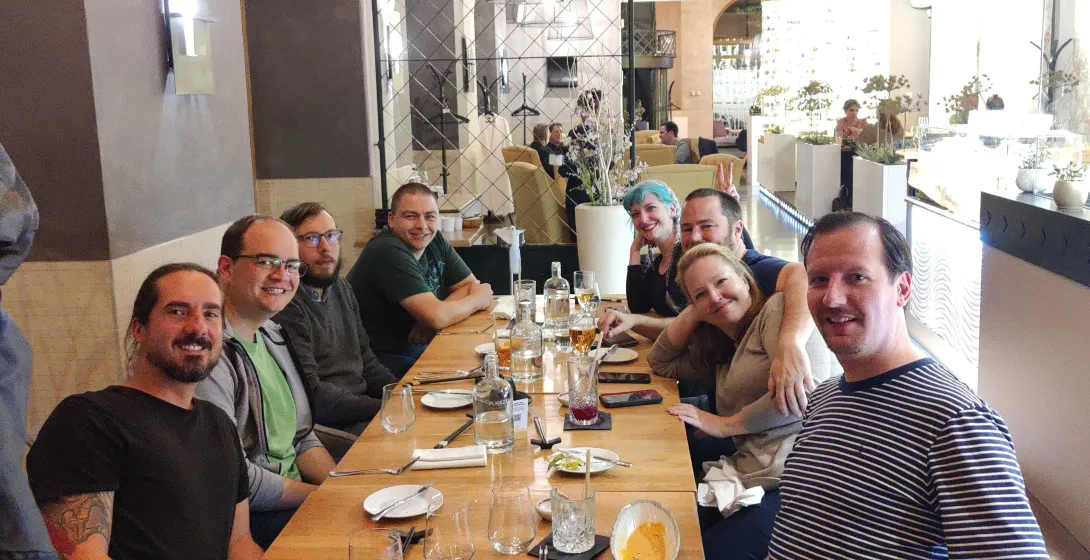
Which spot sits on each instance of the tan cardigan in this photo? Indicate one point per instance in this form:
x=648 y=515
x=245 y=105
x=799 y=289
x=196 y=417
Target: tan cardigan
x=742 y=387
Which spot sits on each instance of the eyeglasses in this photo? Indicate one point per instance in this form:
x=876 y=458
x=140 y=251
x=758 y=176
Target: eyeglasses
x=313 y=239
x=268 y=262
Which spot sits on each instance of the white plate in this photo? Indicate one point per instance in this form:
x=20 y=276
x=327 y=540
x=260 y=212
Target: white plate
x=563 y=398
x=620 y=355
x=447 y=398
x=545 y=509
x=596 y=466
x=414 y=507
x=486 y=348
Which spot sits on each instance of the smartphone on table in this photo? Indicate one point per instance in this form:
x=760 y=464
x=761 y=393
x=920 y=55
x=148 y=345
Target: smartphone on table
x=621 y=377
x=630 y=398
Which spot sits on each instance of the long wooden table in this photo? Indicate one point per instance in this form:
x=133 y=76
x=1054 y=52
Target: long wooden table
x=647 y=436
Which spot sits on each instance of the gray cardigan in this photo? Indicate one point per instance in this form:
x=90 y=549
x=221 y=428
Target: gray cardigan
x=233 y=386
x=742 y=387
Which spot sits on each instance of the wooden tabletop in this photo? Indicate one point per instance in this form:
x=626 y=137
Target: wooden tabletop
x=647 y=436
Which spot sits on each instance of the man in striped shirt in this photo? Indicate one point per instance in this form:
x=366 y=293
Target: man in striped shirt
x=897 y=459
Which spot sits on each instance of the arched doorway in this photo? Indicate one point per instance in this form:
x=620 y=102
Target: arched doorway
x=736 y=62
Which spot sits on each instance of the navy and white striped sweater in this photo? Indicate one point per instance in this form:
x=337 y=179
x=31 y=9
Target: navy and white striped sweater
x=908 y=464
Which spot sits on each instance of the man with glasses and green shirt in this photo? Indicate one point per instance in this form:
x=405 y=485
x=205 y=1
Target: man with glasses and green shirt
x=323 y=321
x=258 y=379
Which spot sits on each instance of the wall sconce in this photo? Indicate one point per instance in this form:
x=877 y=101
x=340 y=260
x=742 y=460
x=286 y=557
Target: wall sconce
x=189 y=31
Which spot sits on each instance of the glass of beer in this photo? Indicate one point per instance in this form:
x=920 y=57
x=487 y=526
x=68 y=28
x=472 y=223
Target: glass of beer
x=583 y=330
x=501 y=338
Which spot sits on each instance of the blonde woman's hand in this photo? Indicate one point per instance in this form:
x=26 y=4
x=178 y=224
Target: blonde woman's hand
x=715 y=426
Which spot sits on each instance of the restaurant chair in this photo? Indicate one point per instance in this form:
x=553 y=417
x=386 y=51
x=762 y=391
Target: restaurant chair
x=539 y=204
x=682 y=178
x=656 y=154
x=715 y=159
x=647 y=137
x=526 y=154
x=336 y=442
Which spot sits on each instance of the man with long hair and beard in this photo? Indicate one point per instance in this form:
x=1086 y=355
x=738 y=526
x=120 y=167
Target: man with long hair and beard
x=141 y=469
x=323 y=321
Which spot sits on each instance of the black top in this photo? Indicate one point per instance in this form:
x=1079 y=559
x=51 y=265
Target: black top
x=648 y=290
x=335 y=354
x=176 y=474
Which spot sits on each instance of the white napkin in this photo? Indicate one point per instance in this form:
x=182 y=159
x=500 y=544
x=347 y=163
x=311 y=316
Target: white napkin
x=723 y=489
x=450 y=458
x=505 y=308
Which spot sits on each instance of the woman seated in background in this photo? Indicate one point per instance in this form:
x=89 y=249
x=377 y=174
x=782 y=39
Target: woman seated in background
x=547 y=144
x=851 y=125
x=656 y=216
x=729 y=315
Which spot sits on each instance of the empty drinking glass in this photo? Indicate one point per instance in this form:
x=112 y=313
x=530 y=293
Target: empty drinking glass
x=583 y=390
x=375 y=544
x=573 y=518
x=512 y=525
x=398 y=408
x=525 y=290
x=448 y=536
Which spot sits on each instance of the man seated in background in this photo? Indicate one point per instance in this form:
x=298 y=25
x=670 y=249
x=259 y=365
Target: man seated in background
x=541 y=146
x=668 y=135
x=898 y=458
x=257 y=381
x=410 y=283
x=144 y=470
x=323 y=323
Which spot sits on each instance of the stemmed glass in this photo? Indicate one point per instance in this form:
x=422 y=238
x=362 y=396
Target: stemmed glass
x=375 y=544
x=398 y=408
x=512 y=526
x=585 y=290
x=448 y=536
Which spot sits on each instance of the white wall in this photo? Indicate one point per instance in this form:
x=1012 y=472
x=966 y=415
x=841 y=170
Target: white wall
x=1033 y=370
x=910 y=47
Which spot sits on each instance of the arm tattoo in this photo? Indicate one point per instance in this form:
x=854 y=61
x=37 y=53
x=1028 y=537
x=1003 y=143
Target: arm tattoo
x=73 y=520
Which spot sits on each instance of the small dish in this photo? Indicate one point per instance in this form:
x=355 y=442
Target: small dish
x=645 y=511
x=545 y=509
x=448 y=399
x=419 y=505
x=620 y=356
x=563 y=398
x=596 y=466
x=486 y=348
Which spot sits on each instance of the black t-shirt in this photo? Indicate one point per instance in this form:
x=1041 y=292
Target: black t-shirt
x=176 y=474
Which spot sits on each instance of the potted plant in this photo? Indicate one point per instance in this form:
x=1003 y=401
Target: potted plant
x=599 y=151
x=886 y=102
x=880 y=183
x=1032 y=175
x=776 y=160
x=968 y=99
x=1071 y=190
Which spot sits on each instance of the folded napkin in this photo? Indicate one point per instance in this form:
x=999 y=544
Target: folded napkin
x=505 y=308
x=450 y=458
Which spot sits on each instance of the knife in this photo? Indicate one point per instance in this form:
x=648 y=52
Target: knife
x=446 y=380
x=446 y=441
x=387 y=509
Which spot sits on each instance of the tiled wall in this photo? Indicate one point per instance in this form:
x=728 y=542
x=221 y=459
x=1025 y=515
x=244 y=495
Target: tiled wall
x=75 y=315
x=350 y=201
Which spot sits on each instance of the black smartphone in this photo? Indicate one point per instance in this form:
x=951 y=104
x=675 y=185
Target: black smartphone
x=630 y=398
x=624 y=340
x=618 y=377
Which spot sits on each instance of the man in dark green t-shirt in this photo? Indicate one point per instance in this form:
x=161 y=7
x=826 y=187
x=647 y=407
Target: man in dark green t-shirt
x=410 y=283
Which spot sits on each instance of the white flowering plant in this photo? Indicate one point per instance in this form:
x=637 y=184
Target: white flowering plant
x=599 y=150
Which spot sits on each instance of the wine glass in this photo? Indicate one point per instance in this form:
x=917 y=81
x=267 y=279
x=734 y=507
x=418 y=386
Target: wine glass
x=585 y=289
x=448 y=536
x=398 y=408
x=375 y=544
x=512 y=525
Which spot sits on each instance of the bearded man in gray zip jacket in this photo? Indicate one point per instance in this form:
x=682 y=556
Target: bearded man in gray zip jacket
x=257 y=380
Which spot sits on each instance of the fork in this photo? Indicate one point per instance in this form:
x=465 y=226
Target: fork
x=375 y=471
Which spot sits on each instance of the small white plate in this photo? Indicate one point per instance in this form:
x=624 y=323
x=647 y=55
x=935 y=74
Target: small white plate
x=545 y=509
x=412 y=508
x=486 y=348
x=620 y=356
x=596 y=466
x=563 y=398
x=447 y=398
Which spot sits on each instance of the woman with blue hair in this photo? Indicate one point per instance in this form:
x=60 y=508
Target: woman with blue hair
x=656 y=216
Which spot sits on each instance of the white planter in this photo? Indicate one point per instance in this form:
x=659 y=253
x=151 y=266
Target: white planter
x=605 y=237
x=1032 y=180
x=817 y=169
x=1070 y=195
x=754 y=149
x=780 y=151
x=880 y=190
